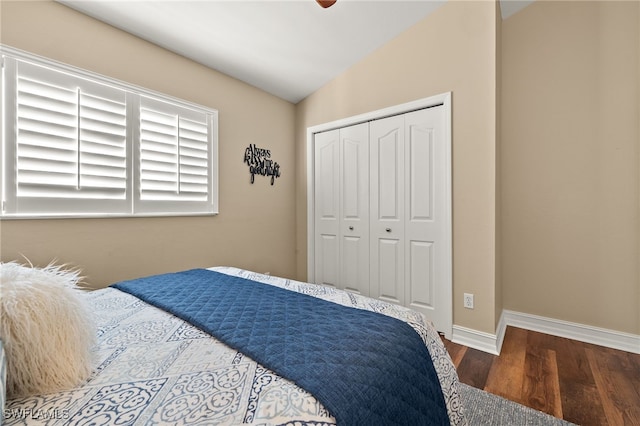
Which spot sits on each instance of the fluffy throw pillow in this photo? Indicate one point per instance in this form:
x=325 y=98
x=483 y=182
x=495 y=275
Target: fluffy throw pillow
x=46 y=328
x=3 y=377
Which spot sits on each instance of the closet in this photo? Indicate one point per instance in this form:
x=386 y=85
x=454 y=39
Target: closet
x=380 y=222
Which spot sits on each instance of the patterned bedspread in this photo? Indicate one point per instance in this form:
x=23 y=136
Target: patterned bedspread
x=154 y=368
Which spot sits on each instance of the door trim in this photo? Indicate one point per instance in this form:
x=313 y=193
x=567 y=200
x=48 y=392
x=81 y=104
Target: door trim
x=443 y=99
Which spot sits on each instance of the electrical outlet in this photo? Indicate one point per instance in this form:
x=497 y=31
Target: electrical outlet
x=468 y=300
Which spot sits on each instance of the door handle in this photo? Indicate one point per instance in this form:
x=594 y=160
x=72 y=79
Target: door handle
x=351 y=228
x=388 y=229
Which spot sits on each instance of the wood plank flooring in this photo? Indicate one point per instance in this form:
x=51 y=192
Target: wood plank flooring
x=579 y=382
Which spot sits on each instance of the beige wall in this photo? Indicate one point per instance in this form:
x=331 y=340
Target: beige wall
x=499 y=289
x=570 y=162
x=253 y=229
x=454 y=49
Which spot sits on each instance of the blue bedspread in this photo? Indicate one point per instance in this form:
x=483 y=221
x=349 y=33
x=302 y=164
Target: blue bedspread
x=365 y=368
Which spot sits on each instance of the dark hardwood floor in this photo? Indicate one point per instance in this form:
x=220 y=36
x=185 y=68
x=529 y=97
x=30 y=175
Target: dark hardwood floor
x=579 y=382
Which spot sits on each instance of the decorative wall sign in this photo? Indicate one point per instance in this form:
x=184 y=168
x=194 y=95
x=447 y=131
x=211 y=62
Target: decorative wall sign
x=260 y=163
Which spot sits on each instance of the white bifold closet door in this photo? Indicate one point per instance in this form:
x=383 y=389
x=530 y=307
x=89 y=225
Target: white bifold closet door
x=380 y=207
x=408 y=210
x=342 y=208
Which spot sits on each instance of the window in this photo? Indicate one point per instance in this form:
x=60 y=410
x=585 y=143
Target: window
x=78 y=144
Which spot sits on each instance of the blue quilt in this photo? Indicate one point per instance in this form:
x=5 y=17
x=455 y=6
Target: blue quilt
x=365 y=368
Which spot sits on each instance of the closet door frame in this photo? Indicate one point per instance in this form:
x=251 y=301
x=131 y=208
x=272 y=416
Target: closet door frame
x=444 y=100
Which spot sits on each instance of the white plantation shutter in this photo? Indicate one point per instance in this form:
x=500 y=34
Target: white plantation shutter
x=70 y=144
x=175 y=156
x=75 y=145
x=194 y=155
x=103 y=145
x=47 y=145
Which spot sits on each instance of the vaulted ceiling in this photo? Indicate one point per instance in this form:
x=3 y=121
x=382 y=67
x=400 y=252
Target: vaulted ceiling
x=289 y=48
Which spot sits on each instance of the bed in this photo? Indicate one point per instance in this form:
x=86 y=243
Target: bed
x=153 y=367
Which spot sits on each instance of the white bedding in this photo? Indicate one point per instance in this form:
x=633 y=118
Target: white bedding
x=154 y=368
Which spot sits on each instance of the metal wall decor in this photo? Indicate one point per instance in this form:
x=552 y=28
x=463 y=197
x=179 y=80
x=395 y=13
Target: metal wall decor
x=260 y=163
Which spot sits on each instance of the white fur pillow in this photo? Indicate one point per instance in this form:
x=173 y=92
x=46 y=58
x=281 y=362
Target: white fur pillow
x=47 y=329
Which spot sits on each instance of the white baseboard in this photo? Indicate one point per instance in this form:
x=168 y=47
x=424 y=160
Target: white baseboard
x=492 y=343
x=475 y=339
x=571 y=330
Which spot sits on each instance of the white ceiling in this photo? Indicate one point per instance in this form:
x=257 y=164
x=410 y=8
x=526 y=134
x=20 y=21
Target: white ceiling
x=289 y=48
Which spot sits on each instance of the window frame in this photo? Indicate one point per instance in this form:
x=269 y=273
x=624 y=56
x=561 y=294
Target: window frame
x=132 y=205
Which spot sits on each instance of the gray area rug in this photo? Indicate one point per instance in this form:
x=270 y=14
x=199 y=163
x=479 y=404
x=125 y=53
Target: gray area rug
x=483 y=408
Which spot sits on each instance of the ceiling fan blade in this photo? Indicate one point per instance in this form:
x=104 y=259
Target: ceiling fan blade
x=326 y=3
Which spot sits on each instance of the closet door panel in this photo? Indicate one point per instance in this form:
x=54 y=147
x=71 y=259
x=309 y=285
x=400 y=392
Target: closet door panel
x=354 y=216
x=352 y=277
x=425 y=208
x=389 y=179
x=420 y=281
x=387 y=209
x=328 y=262
x=388 y=270
x=327 y=207
x=419 y=171
x=419 y=182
